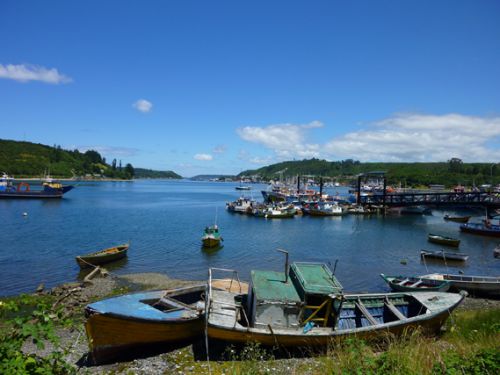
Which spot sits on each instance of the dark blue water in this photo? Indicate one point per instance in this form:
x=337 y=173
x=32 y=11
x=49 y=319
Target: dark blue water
x=164 y=220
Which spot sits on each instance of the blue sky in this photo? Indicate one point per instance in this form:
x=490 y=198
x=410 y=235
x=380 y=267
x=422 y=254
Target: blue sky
x=223 y=86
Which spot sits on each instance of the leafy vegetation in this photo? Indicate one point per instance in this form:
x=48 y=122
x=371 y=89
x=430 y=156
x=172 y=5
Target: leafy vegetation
x=26 y=159
x=449 y=173
x=149 y=173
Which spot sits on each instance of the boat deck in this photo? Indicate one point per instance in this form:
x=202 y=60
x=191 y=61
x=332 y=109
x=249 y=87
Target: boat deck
x=224 y=310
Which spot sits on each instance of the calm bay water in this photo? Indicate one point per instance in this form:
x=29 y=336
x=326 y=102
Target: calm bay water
x=164 y=220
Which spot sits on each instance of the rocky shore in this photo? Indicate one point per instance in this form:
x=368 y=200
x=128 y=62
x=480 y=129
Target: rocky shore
x=73 y=297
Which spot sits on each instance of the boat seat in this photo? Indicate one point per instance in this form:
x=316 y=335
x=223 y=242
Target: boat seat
x=393 y=309
x=416 y=284
x=171 y=303
x=362 y=308
x=403 y=282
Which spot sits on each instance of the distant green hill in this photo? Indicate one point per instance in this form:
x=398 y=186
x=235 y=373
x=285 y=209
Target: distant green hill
x=26 y=159
x=149 y=173
x=449 y=173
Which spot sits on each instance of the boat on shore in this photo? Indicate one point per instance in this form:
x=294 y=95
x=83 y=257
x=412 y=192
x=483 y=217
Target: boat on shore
x=415 y=284
x=151 y=320
x=481 y=286
x=50 y=189
x=443 y=240
x=103 y=256
x=485 y=228
x=211 y=236
x=444 y=255
x=305 y=307
x=457 y=219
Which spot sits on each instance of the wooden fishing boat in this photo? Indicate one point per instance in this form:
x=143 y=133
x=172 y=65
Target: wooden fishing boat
x=102 y=256
x=324 y=209
x=145 y=321
x=275 y=212
x=484 y=228
x=444 y=255
x=305 y=307
x=211 y=237
x=457 y=219
x=483 y=286
x=415 y=284
x=443 y=240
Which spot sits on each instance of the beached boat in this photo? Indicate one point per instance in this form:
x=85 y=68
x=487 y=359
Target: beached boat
x=103 y=256
x=457 y=219
x=443 y=240
x=482 y=286
x=485 y=228
x=444 y=255
x=145 y=321
x=305 y=307
x=415 y=284
x=211 y=236
x=323 y=209
x=50 y=189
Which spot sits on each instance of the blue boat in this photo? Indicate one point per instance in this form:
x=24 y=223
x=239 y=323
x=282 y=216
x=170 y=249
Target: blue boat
x=50 y=189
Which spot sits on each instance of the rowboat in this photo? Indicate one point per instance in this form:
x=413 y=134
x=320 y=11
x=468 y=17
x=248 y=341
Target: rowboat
x=443 y=240
x=415 y=284
x=486 y=286
x=102 y=256
x=304 y=307
x=457 y=219
x=145 y=321
x=484 y=228
x=211 y=236
x=444 y=255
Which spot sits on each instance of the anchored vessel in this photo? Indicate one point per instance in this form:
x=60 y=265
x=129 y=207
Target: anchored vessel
x=415 y=284
x=305 y=307
x=50 y=189
x=103 y=256
x=211 y=236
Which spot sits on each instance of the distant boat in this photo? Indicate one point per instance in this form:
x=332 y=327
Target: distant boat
x=443 y=240
x=457 y=219
x=146 y=320
x=443 y=255
x=103 y=256
x=211 y=236
x=50 y=189
x=241 y=187
x=485 y=228
x=276 y=212
x=242 y=205
x=486 y=286
x=415 y=284
x=323 y=209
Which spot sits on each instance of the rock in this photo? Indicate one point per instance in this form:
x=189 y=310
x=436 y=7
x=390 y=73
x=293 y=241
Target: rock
x=40 y=288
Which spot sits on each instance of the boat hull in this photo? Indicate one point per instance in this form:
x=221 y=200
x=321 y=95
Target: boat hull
x=102 y=257
x=211 y=242
x=457 y=219
x=443 y=240
x=427 y=286
x=480 y=286
x=480 y=229
x=440 y=255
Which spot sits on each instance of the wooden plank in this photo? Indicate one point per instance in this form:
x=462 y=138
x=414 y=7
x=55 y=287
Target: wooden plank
x=416 y=284
x=394 y=309
x=366 y=313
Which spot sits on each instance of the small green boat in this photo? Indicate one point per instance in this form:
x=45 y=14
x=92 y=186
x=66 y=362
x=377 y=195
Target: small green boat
x=443 y=240
x=211 y=237
x=102 y=256
x=415 y=284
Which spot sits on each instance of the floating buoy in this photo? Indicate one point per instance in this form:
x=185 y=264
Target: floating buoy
x=25 y=214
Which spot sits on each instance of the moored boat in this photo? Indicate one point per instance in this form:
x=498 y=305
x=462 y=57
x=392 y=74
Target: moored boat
x=415 y=284
x=242 y=205
x=211 y=236
x=305 y=307
x=149 y=320
x=103 y=256
x=483 y=286
x=485 y=228
x=444 y=255
x=50 y=189
x=443 y=240
x=457 y=219
x=323 y=209
x=275 y=212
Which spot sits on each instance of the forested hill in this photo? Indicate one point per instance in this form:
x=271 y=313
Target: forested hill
x=451 y=172
x=149 y=173
x=26 y=159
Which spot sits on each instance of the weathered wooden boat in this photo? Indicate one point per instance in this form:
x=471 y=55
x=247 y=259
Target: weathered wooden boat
x=103 y=256
x=485 y=228
x=323 y=209
x=145 y=321
x=305 y=307
x=482 y=286
x=444 y=255
x=211 y=236
x=457 y=219
x=415 y=284
x=50 y=189
x=443 y=240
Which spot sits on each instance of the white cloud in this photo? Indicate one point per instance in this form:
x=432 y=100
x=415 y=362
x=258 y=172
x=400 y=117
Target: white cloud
x=219 y=149
x=421 y=137
x=286 y=140
x=204 y=157
x=27 y=72
x=143 y=105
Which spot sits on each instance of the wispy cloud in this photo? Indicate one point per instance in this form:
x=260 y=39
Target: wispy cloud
x=203 y=157
x=421 y=137
x=27 y=72
x=286 y=140
x=219 y=149
x=143 y=105
x=109 y=151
